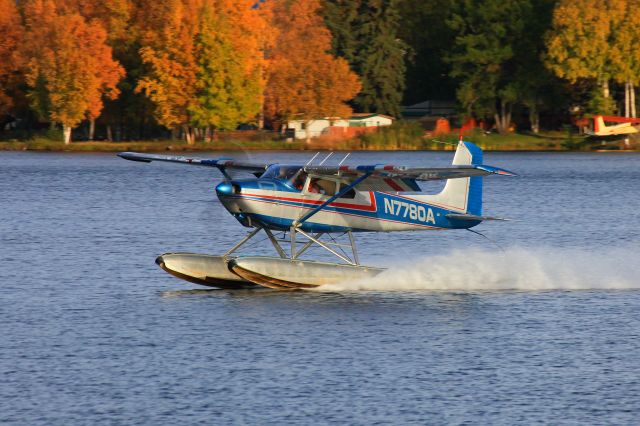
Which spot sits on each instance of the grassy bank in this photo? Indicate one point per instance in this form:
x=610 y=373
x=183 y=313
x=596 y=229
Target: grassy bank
x=157 y=146
x=392 y=138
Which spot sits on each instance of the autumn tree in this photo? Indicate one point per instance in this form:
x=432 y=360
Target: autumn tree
x=205 y=60
x=579 y=45
x=230 y=65
x=169 y=55
x=304 y=80
x=115 y=16
x=365 y=33
x=11 y=36
x=69 y=67
x=624 y=52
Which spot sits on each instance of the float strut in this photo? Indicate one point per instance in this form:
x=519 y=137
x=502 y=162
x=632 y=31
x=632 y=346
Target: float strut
x=326 y=247
x=293 y=242
x=353 y=248
x=275 y=243
x=243 y=241
x=308 y=244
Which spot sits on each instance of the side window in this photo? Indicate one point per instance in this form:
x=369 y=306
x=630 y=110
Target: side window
x=322 y=186
x=349 y=194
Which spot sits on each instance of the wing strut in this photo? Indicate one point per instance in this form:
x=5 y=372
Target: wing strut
x=340 y=193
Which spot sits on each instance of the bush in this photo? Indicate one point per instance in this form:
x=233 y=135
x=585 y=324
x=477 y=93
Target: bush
x=400 y=135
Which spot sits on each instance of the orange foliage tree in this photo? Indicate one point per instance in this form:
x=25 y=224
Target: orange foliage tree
x=167 y=36
x=304 y=80
x=205 y=60
x=115 y=17
x=10 y=37
x=69 y=66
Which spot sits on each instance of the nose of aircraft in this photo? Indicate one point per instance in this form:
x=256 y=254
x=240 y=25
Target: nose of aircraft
x=225 y=188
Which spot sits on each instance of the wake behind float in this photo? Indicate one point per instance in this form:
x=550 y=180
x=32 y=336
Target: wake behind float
x=311 y=205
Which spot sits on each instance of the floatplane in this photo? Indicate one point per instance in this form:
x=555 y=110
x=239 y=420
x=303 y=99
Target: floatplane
x=310 y=204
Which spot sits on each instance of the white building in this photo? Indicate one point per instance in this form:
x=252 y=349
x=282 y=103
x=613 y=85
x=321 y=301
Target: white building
x=311 y=129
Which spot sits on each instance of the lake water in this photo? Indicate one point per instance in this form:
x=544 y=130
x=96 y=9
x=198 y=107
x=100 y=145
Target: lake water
x=539 y=325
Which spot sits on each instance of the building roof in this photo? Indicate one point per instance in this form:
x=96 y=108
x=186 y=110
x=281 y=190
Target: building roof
x=354 y=116
x=365 y=115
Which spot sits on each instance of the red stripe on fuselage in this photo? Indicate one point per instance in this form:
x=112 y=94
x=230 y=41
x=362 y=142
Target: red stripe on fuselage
x=374 y=218
x=371 y=208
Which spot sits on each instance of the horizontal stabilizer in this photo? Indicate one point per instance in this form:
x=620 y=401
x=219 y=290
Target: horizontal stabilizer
x=456 y=216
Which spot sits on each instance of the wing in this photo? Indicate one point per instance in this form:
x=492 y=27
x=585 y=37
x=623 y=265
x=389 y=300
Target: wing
x=403 y=172
x=220 y=163
x=401 y=178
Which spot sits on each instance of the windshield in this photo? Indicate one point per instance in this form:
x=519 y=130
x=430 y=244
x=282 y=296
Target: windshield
x=279 y=172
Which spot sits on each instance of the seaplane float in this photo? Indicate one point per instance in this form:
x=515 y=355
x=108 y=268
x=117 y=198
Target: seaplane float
x=310 y=204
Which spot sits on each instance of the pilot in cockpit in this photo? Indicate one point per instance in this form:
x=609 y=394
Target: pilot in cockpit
x=299 y=180
x=314 y=187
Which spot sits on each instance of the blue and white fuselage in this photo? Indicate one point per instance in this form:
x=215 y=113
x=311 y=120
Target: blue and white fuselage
x=280 y=206
x=286 y=196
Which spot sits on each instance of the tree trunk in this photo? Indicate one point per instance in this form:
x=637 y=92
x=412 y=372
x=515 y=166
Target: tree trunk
x=632 y=100
x=109 y=133
x=497 y=118
x=627 y=109
x=188 y=134
x=185 y=133
x=503 y=118
x=92 y=128
x=605 y=88
x=66 y=131
x=534 y=118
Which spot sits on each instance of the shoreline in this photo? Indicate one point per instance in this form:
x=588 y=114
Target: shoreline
x=494 y=143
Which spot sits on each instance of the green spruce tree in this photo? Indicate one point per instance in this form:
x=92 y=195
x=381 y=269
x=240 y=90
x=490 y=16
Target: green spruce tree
x=424 y=29
x=365 y=33
x=484 y=59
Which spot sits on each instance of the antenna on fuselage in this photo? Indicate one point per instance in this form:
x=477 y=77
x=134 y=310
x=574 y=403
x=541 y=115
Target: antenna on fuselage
x=345 y=157
x=312 y=158
x=326 y=158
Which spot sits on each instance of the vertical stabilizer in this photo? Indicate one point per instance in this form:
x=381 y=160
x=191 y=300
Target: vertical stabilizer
x=464 y=194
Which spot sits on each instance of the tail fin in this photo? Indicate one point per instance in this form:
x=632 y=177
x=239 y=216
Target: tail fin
x=464 y=194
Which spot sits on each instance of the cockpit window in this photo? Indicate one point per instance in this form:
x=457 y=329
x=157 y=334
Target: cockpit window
x=284 y=173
